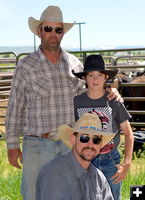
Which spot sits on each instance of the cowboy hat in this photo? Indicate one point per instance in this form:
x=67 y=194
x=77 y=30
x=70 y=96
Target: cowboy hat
x=88 y=124
x=95 y=63
x=50 y=14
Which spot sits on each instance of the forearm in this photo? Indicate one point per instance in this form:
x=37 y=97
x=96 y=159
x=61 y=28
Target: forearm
x=129 y=141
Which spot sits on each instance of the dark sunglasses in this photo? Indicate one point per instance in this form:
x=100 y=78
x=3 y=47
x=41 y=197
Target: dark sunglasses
x=86 y=138
x=48 y=29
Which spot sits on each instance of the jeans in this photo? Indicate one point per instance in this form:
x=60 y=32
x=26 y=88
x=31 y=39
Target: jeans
x=36 y=153
x=107 y=164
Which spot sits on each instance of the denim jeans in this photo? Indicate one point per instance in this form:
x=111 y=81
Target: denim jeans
x=36 y=153
x=107 y=164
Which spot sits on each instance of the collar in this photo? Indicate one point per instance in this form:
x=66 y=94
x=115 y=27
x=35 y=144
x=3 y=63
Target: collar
x=63 y=54
x=79 y=170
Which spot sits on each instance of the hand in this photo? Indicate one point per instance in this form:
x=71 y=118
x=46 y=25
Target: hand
x=121 y=173
x=14 y=156
x=114 y=94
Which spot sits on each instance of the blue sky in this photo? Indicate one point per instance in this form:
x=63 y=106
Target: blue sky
x=108 y=23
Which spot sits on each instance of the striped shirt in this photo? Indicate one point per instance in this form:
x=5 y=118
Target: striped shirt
x=42 y=95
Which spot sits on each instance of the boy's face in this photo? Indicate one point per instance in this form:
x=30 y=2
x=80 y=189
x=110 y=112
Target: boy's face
x=95 y=80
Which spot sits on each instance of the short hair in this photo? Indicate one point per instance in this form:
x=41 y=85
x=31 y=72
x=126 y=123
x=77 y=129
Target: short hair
x=75 y=133
x=86 y=73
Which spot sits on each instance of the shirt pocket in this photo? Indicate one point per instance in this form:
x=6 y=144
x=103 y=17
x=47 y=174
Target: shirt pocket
x=41 y=87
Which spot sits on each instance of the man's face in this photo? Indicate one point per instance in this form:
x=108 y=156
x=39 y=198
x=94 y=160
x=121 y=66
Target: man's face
x=84 y=147
x=51 y=35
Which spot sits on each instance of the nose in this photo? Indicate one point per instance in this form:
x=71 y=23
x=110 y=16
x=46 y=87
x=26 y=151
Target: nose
x=95 y=77
x=90 y=142
x=53 y=32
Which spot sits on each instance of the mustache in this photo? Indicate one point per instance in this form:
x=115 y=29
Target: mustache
x=89 y=148
x=53 y=37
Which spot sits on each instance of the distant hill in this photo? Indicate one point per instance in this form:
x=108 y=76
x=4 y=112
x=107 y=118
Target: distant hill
x=17 y=49
x=129 y=47
x=29 y=49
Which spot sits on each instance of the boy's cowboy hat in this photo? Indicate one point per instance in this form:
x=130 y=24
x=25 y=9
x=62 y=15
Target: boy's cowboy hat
x=95 y=63
x=50 y=14
x=87 y=124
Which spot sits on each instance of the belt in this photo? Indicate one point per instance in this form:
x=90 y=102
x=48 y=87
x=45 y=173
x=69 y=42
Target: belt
x=45 y=135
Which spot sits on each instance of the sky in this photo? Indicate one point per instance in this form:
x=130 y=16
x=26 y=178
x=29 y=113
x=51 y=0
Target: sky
x=108 y=23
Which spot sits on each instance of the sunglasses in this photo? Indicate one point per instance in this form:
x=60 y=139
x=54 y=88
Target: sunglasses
x=86 y=138
x=49 y=29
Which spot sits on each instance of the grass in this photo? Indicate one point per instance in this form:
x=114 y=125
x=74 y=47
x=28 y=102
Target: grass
x=10 y=177
x=135 y=177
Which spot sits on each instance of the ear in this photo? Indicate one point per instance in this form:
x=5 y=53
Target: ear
x=63 y=34
x=107 y=76
x=83 y=78
x=39 y=31
x=72 y=139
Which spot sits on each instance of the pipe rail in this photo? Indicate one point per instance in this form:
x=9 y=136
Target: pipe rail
x=7 y=65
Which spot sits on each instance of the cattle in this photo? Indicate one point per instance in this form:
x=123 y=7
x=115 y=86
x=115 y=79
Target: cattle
x=135 y=91
x=127 y=82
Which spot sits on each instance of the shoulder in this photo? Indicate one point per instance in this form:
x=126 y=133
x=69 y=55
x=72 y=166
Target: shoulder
x=73 y=61
x=30 y=59
x=29 y=63
x=70 y=55
x=80 y=97
x=56 y=167
x=55 y=174
x=101 y=176
x=117 y=104
x=101 y=180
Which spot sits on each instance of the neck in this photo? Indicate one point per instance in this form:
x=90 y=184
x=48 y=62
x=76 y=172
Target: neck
x=85 y=164
x=95 y=94
x=53 y=55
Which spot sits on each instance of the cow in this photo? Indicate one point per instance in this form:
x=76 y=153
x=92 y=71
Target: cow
x=133 y=76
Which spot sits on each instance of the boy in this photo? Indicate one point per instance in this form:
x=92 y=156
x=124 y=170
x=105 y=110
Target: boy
x=113 y=116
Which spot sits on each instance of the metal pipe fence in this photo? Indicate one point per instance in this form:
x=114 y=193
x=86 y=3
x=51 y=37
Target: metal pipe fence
x=9 y=60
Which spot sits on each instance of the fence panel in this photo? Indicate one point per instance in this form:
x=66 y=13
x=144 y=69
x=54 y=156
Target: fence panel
x=8 y=61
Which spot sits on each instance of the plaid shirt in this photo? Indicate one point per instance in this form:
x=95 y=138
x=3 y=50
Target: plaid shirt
x=41 y=97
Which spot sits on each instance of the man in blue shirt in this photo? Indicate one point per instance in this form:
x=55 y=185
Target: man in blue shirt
x=72 y=176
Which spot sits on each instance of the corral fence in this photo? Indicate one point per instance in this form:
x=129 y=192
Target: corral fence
x=114 y=58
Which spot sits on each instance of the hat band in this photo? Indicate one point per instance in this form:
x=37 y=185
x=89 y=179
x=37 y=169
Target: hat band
x=90 y=127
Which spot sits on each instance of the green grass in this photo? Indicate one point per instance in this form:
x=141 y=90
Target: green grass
x=10 y=177
x=136 y=176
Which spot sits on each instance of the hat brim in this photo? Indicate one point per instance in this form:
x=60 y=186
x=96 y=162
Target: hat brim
x=110 y=73
x=64 y=132
x=33 y=25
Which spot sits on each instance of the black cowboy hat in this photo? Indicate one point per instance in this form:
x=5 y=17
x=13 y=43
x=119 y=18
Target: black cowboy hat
x=95 y=63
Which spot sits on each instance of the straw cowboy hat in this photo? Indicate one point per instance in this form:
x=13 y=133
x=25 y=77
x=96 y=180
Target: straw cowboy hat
x=50 y=14
x=95 y=63
x=87 y=124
